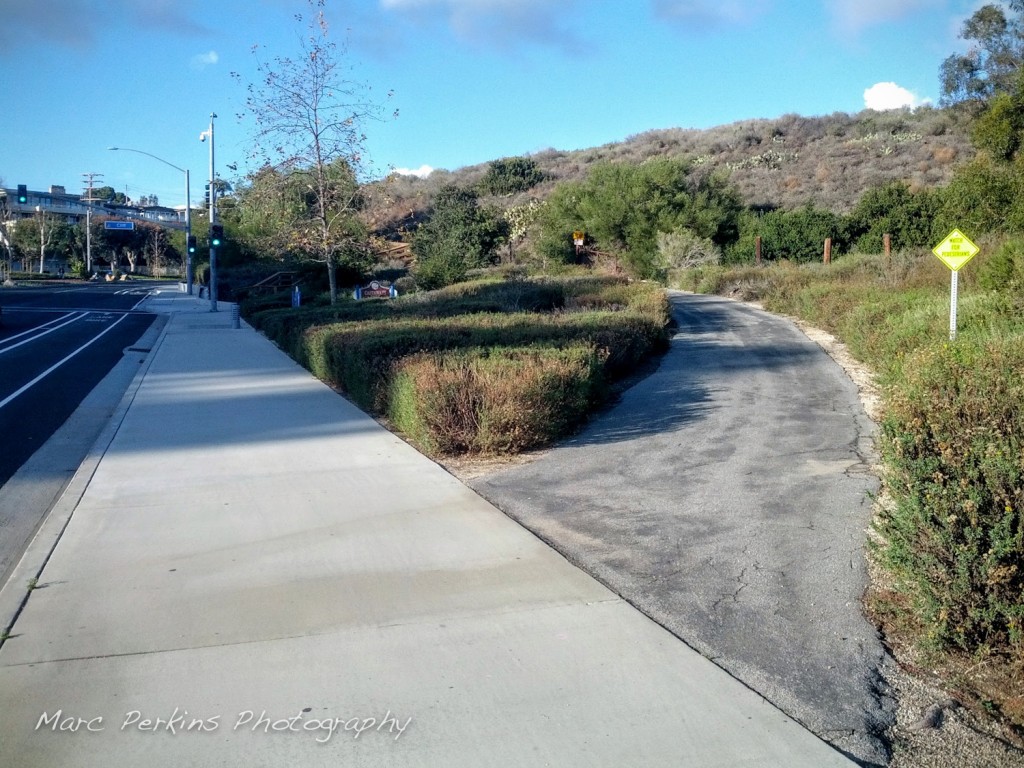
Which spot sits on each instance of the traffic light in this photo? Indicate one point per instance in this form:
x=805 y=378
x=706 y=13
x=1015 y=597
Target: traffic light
x=216 y=234
x=207 y=195
x=22 y=194
x=191 y=243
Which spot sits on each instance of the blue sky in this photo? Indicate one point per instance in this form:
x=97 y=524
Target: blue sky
x=473 y=80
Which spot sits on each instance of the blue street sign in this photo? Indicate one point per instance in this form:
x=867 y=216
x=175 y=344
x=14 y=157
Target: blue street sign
x=119 y=225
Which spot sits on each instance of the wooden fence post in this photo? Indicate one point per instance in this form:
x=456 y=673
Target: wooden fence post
x=828 y=250
x=757 y=250
x=887 y=247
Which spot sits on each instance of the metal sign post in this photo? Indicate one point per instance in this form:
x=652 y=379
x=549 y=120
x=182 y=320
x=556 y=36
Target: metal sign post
x=952 y=304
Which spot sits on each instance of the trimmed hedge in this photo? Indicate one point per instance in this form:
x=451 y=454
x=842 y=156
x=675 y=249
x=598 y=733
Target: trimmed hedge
x=360 y=357
x=494 y=401
x=592 y=330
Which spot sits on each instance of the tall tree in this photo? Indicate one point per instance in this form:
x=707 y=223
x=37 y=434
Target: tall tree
x=459 y=236
x=309 y=116
x=108 y=195
x=996 y=34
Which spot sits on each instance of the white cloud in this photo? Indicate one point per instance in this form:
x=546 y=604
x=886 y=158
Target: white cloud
x=499 y=23
x=423 y=171
x=884 y=96
x=701 y=14
x=202 y=60
x=853 y=16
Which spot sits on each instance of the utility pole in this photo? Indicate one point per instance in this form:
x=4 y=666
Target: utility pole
x=213 y=216
x=88 y=219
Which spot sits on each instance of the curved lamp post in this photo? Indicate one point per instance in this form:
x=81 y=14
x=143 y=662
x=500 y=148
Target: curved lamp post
x=188 y=209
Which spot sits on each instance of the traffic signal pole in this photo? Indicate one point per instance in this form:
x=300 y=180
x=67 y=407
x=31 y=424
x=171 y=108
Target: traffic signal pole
x=188 y=235
x=213 y=217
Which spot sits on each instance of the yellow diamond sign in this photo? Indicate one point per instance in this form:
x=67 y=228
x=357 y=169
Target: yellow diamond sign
x=956 y=250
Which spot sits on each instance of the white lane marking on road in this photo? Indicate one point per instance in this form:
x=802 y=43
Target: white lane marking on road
x=57 y=365
x=41 y=334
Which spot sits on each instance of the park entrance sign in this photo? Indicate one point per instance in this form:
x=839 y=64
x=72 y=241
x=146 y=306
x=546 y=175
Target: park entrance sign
x=955 y=251
x=375 y=290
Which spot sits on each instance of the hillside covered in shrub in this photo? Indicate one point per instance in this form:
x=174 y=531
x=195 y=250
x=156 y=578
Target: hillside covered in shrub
x=784 y=163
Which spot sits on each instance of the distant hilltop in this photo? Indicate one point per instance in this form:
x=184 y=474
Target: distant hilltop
x=787 y=162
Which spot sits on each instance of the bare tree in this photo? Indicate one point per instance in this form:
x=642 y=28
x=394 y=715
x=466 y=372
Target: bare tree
x=47 y=227
x=309 y=115
x=155 y=243
x=7 y=219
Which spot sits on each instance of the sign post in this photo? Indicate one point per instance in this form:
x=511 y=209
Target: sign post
x=955 y=251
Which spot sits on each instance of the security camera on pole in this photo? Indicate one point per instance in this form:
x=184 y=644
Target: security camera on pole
x=213 y=217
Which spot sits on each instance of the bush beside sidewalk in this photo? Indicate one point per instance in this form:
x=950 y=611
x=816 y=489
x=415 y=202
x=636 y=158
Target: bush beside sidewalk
x=487 y=367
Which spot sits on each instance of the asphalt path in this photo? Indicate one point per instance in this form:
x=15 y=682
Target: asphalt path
x=57 y=343
x=727 y=496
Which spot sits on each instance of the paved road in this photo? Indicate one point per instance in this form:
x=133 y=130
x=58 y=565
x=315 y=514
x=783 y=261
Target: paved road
x=727 y=497
x=57 y=343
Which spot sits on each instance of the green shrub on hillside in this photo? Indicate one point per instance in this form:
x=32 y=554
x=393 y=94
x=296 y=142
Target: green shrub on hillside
x=894 y=209
x=458 y=236
x=1004 y=269
x=621 y=208
x=954 y=447
x=792 y=235
x=512 y=174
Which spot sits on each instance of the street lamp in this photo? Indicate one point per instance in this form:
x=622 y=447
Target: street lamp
x=188 y=210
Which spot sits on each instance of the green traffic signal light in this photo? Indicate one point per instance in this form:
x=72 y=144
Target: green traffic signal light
x=22 y=194
x=191 y=243
x=216 y=235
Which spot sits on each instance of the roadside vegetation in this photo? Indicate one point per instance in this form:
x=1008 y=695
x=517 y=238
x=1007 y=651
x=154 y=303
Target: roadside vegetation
x=492 y=366
x=949 y=528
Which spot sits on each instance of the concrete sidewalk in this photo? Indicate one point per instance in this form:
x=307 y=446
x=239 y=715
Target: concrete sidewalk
x=252 y=550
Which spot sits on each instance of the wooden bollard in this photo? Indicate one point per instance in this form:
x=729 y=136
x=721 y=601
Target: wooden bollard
x=757 y=250
x=828 y=250
x=887 y=247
